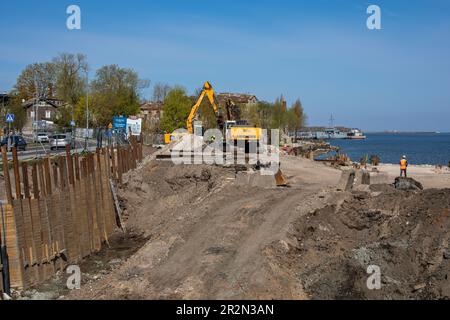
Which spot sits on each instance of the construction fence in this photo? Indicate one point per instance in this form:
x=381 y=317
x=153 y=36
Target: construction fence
x=59 y=210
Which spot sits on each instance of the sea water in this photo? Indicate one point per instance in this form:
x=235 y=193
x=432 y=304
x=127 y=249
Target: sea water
x=420 y=148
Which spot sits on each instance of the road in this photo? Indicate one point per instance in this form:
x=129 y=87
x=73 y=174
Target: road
x=43 y=149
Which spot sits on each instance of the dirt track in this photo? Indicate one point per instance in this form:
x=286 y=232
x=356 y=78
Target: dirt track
x=207 y=235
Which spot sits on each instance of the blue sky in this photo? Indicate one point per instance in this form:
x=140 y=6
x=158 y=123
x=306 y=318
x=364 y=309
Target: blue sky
x=319 y=51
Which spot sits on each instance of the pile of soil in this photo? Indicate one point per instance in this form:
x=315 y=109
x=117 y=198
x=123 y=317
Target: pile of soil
x=161 y=188
x=406 y=234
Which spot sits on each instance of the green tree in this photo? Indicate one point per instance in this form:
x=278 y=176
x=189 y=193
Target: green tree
x=70 y=84
x=177 y=106
x=250 y=113
x=206 y=114
x=291 y=121
x=279 y=114
x=264 y=110
x=15 y=107
x=115 y=91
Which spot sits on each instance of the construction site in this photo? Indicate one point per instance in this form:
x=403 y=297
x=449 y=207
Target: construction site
x=232 y=217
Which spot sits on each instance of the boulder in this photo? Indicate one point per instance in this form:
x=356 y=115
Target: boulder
x=405 y=184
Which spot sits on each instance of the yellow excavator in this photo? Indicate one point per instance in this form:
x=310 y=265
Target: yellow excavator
x=233 y=130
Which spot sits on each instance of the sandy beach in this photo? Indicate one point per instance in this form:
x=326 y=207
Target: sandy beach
x=430 y=176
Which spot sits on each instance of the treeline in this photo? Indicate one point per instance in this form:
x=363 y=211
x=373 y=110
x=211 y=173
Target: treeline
x=112 y=91
x=267 y=115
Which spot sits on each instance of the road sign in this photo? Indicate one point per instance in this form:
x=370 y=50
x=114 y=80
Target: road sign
x=119 y=123
x=72 y=123
x=9 y=118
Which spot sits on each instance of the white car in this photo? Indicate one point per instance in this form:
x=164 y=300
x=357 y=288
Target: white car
x=41 y=138
x=59 y=141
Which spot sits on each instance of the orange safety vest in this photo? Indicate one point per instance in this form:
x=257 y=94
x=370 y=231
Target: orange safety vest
x=403 y=164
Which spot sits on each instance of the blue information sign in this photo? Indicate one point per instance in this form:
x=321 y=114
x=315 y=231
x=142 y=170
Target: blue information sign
x=119 y=123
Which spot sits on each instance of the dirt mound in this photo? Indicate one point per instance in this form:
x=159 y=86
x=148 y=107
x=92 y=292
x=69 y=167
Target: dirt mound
x=382 y=187
x=406 y=234
x=163 y=187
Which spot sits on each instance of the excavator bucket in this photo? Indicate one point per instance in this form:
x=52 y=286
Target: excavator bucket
x=280 y=179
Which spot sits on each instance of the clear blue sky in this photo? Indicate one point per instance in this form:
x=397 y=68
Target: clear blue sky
x=319 y=51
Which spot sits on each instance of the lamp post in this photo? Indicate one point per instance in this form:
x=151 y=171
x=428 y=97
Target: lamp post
x=87 y=111
x=3 y=103
x=3 y=109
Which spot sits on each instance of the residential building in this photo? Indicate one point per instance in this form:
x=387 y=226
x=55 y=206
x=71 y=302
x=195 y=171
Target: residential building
x=237 y=98
x=151 y=113
x=42 y=110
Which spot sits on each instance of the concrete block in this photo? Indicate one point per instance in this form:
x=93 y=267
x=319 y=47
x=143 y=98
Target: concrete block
x=347 y=180
x=379 y=178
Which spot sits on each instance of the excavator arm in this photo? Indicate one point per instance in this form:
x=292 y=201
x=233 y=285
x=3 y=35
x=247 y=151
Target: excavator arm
x=207 y=91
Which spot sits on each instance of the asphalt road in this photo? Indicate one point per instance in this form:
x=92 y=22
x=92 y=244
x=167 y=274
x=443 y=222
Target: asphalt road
x=41 y=150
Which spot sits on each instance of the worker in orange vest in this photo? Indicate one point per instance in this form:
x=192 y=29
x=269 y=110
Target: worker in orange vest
x=403 y=166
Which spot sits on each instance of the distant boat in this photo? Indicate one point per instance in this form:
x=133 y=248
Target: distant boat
x=356 y=134
x=330 y=133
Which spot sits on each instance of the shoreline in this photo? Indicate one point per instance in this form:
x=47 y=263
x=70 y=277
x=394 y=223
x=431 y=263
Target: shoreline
x=430 y=176
x=416 y=165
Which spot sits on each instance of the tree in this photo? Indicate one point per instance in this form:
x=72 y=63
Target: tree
x=115 y=91
x=299 y=117
x=38 y=79
x=15 y=107
x=264 y=110
x=70 y=79
x=279 y=114
x=251 y=114
x=70 y=84
x=160 y=91
x=177 y=106
x=206 y=114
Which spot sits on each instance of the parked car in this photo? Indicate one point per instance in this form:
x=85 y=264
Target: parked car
x=59 y=141
x=14 y=141
x=41 y=138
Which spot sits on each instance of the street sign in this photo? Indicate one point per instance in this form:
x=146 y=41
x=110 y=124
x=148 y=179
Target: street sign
x=119 y=123
x=9 y=118
x=72 y=123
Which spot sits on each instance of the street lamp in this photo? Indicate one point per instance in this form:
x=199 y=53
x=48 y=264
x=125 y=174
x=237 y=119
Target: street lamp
x=3 y=105
x=87 y=111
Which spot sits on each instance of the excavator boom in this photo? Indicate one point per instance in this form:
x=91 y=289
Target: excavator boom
x=207 y=91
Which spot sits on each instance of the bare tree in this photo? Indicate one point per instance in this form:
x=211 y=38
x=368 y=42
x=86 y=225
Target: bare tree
x=70 y=76
x=38 y=79
x=160 y=91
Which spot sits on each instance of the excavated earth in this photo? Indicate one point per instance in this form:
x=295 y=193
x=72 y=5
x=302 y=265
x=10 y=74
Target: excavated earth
x=405 y=234
x=207 y=237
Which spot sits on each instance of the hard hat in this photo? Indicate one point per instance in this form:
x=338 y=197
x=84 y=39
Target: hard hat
x=404 y=157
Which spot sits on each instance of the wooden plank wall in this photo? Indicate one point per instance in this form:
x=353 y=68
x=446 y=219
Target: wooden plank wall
x=61 y=209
